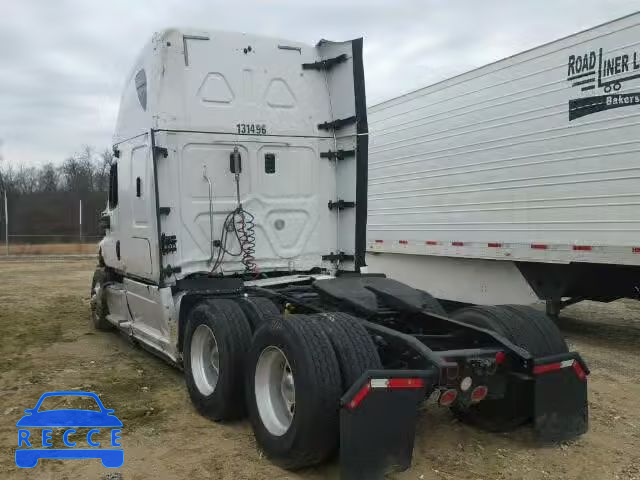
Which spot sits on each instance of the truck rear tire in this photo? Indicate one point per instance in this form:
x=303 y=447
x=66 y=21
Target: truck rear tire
x=217 y=338
x=527 y=328
x=548 y=339
x=293 y=391
x=258 y=310
x=355 y=351
x=99 y=308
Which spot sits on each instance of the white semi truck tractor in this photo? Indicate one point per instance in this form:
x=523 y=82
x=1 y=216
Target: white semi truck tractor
x=235 y=249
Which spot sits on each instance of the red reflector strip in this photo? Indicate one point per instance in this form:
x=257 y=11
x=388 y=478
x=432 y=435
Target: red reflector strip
x=384 y=383
x=552 y=367
x=457 y=244
x=582 y=248
x=358 y=397
x=400 y=383
x=636 y=249
x=580 y=373
x=403 y=242
x=433 y=242
x=539 y=246
x=379 y=241
x=494 y=245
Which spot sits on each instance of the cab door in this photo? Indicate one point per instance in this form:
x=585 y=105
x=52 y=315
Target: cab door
x=141 y=199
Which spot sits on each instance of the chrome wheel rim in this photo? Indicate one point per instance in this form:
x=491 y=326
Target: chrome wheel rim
x=275 y=391
x=205 y=360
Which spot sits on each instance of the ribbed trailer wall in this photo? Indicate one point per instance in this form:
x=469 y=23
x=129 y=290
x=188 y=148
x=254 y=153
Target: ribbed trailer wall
x=535 y=157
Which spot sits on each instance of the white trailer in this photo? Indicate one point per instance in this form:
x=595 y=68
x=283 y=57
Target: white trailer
x=516 y=181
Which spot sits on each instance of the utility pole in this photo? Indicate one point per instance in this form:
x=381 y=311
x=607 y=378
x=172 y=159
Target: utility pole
x=3 y=187
x=80 y=221
x=6 y=222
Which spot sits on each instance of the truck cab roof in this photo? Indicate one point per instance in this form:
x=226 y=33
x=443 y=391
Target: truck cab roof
x=195 y=80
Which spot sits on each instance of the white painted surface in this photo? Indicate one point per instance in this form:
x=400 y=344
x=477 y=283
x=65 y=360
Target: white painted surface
x=478 y=281
x=492 y=157
x=205 y=93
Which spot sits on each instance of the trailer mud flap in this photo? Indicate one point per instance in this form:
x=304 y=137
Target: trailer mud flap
x=377 y=423
x=560 y=409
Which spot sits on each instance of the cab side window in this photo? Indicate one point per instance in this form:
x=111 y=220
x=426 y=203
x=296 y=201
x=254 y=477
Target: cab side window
x=113 y=186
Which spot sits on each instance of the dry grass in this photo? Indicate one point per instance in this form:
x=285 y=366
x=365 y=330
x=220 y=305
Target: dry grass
x=52 y=249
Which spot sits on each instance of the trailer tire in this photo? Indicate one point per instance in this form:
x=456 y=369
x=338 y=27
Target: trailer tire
x=258 y=310
x=353 y=346
x=99 y=308
x=523 y=328
x=308 y=434
x=431 y=304
x=219 y=326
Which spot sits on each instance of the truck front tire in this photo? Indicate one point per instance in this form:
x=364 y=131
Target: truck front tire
x=99 y=308
x=217 y=338
x=292 y=360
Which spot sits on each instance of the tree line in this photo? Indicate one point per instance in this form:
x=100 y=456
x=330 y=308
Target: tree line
x=86 y=171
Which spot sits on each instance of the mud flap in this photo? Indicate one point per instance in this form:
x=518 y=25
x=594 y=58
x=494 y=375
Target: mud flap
x=377 y=422
x=560 y=409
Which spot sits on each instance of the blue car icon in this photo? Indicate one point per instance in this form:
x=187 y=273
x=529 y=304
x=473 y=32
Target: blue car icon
x=69 y=417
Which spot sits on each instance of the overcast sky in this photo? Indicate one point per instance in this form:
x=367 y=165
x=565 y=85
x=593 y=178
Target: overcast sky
x=63 y=62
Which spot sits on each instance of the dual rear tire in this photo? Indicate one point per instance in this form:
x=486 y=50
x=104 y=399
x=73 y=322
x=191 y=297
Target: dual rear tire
x=321 y=356
x=289 y=376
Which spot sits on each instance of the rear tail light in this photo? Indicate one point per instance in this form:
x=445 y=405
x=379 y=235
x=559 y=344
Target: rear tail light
x=479 y=393
x=500 y=358
x=447 y=397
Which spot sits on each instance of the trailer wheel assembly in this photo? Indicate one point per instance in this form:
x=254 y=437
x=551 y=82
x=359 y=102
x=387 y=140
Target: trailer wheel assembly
x=99 y=308
x=258 y=310
x=293 y=391
x=217 y=338
x=353 y=346
x=527 y=328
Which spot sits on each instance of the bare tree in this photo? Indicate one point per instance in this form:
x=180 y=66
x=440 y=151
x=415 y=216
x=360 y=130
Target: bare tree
x=9 y=178
x=81 y=173
x=26 y=179
x=77 y=173
x=101 y=176
x=48 y=178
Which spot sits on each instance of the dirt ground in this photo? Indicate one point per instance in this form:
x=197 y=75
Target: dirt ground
x=51 y=249
x=47 y=344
